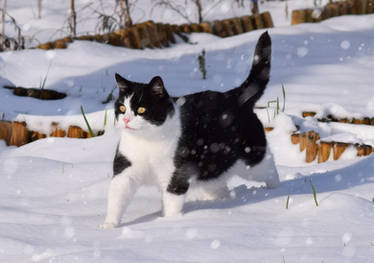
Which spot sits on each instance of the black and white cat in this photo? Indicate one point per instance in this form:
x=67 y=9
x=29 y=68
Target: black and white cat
x=197 y=139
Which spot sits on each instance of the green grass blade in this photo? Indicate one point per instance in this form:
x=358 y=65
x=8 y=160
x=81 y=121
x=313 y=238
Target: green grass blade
x=288 y=201
x=284 y=98
x=105 y=118
x=88 y=125
x=314 y=193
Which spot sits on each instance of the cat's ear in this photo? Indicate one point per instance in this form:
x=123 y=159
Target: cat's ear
x=123 y=84
x=157 y=86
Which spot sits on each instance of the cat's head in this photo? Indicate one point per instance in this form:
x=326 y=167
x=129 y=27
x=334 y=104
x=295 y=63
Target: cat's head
x=142 y=105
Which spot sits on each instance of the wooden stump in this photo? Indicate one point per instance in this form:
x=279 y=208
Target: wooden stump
x=268 y=21
x=297 y=17
x=258 y=21
x=46 y=46
x=37 y=135
x=324 y=151
x=5 y=131
x=295 y=138
x=308 y=114
x=247 y=23
x=169 y=33
x=162 y=35
x=228 y=28
x=236 y=26
x=206 y=27
x=339 y=149
x=20 y=134
x=303 y=139
x=219 y=29
x=76 y=132
x=311 y=146
x=145 y=38
x=364 y=150
x=60 y=44
x=56 y=131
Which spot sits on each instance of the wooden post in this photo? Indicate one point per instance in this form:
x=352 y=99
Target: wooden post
x=56 y=131
x=206 y=27
x=297 y=17
x=308 y=114
x=247 y=23
x=364 y=150
x=258 y=21
x=303 y=139
x=37 y=135
x=339 y=149
x=162 y=34
x=268 y=21
x=76 y=132
x=145 y=39
x=20 y=134
x=324 y=151
x=5 y=131
x=295 y=138
x=311 y=146
x=152 y=30
x=169 y=33
x=219 y=29
x=195 y=28
x=228 y=27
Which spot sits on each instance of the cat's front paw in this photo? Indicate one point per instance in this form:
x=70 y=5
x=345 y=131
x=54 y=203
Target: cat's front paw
x=108 y=225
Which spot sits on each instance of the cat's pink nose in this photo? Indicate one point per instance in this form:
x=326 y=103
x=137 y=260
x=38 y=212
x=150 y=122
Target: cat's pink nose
x=126 y=120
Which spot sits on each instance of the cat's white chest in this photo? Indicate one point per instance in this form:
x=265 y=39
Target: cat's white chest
x=152 y=152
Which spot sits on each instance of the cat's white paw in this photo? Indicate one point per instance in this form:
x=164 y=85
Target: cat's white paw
x=108 y=225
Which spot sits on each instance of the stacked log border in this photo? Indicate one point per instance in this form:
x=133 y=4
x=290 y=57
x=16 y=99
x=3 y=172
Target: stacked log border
x=157 y=35
x=16 y=133
x=315 y=148
x=331 y=118
x=350 y=7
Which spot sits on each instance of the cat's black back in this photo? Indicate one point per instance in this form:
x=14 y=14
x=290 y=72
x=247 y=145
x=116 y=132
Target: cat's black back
x=218 y=129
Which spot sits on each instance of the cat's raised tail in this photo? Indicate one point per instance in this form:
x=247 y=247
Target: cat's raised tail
x=253 y=87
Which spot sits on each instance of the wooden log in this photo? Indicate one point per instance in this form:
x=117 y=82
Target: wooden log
x=303 y=139
x=311 y=146
x=68 y=39
x=236 y=26
x=185 y=28
x=247 y=23
x=206 y=27
x=364 y=150
x=76 y=132
x=5 y=131
x=339 y=149
x=295 y=138
x=145 y=38
x=219 y=29
x=370 y=7
x=357 y=121
x=308 y=114
x=60 y=44
x=134 y=38
x=297 y=17
x=45 y=46
x=153 y=34
x=324 y=151
x=258 y=21
x=309 y=16
x=56 y=131
x=20 y=134
x=228 y=28
x=344 y=120
x=37 y=135
x=169 y=33
x=268 y=21
x=195 y=28
x=366 y=121
x=162 y=35
x=372 y=121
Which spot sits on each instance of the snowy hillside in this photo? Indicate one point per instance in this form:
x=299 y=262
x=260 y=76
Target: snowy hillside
x=53 y=191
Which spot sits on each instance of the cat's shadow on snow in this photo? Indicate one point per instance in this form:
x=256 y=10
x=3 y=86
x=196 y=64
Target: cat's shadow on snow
x=359 y=173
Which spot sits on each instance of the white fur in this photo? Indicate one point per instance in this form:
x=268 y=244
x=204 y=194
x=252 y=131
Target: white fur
x=150 y=149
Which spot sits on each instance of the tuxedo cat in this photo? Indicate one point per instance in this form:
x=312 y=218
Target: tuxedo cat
x=198 y=139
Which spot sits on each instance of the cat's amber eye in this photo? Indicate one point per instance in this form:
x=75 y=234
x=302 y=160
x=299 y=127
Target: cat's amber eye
x=122 y=108
x=141 y=110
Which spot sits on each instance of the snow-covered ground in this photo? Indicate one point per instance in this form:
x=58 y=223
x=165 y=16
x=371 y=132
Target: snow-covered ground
x=53 y=191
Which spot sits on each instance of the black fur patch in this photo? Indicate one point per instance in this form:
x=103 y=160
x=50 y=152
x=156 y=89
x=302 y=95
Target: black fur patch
x=120 y=163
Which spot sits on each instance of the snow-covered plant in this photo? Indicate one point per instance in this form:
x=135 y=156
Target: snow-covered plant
x=10 y=43
x=202 y=64
x=276 y=102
